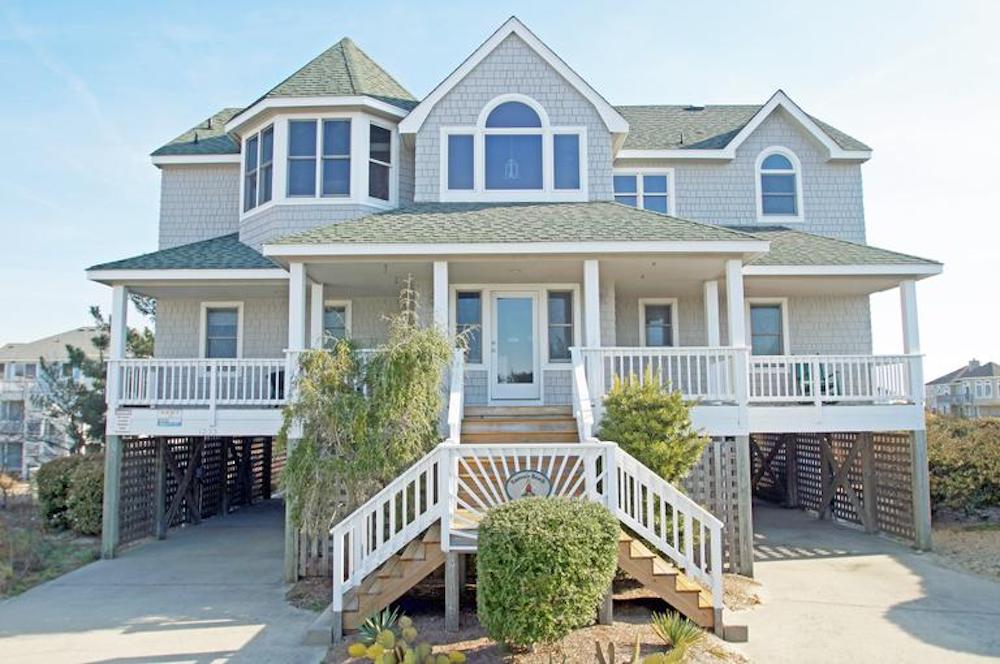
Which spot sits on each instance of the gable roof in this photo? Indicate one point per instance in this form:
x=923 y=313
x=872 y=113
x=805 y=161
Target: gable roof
x=985 y=370
x=613 y=120
x=793 y=247
x=686 y=127
x=225 y=252
x=514 y=223
x=51 y=348
x=208 y=137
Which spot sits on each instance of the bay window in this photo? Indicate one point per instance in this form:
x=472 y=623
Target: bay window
x=379 y=161
x=333 y=177
x=258 y=168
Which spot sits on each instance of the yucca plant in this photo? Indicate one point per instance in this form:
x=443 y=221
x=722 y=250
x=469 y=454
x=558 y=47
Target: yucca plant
x=378 y=622
x=677 y=632
x=610 y=658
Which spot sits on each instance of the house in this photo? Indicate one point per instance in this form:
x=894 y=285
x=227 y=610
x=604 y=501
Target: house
x=970 y=391
x=29 y=434
x=721 y=247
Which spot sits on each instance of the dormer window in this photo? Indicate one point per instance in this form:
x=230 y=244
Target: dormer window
x=779 y=185
x=513 y=153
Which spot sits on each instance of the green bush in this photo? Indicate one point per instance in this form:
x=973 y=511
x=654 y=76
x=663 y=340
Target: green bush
x=53 y=481
x=653 y=424
x=964 y=463
x=84 y=503
x=543 y=566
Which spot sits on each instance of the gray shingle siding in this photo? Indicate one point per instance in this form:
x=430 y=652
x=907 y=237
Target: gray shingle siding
x=198 y=202
x=281 y=220
x=265 y=327
x=512 y=68
x=726 y=193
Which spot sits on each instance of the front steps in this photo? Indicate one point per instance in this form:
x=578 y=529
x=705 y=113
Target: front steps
x=519 y=424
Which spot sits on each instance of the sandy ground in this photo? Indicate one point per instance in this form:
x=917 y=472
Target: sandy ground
x=971 y=547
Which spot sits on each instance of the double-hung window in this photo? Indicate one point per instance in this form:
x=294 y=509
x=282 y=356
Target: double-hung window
x=658 y=324
x=258 y=167
x=336 y=322
x=222 y=328
x=779 y=185
x=469 y=323
x=379 y=161
x=560 y=325
x=767 y=329
x=329 y=142
x=646 y=190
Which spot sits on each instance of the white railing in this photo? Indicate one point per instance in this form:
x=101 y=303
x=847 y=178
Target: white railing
x=583 y=405
x=197 y=382
x=456 y=396
x=823 y=379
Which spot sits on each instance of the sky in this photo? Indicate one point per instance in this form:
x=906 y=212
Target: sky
x=90 y=89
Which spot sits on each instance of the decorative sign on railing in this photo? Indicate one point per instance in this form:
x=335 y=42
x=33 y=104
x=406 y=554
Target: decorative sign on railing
x=528 y=483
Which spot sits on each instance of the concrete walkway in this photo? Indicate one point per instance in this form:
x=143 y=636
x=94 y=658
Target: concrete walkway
x=832 y=594
x=211 y=593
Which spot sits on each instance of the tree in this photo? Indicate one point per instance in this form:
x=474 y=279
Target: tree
x=73 y=393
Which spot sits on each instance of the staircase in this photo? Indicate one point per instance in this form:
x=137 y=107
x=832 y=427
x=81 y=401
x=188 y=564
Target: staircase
x=665 y=581
x=519 y=424
x=397 y=575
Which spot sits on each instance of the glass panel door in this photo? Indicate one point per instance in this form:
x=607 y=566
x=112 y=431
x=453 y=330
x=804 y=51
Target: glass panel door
x=515 y=373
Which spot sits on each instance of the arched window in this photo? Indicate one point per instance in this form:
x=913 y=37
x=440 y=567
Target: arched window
x=779 y=185
x=513 y=153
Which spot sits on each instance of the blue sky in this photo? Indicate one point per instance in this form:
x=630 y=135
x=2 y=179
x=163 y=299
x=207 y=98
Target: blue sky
x=91 y=88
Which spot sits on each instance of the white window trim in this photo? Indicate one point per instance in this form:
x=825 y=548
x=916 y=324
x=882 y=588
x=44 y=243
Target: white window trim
x=393 y=163
x=203 y=333
x=348 y=330
x=649 y=170
x=574 y=328
x=786 y=342
x=360 y=152
x=799 y=216
x=675 y=329
x=479 y=192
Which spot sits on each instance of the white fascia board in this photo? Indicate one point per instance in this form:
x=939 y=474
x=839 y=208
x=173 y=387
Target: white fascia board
x=132 y=276
x=613 y=120
x=779 y=98
x=364 y=101
x=746 y=247
x=901 y=269
x=172 y=159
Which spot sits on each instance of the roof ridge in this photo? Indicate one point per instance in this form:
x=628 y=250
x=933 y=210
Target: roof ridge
x=360 y=51
x=348 y=64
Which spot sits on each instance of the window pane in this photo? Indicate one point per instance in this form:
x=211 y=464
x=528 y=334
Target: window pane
x=628 y=200
x=249 y=191
x=657 y=314
x=267 y=145
x=302 y=138
x=513 y=114
x=302 y=177
x=378 y=141
x=221 y=332
x=337 y=177
x=468 y=318
x=654 y=184
x=30 y=370
x=655 y=203
x=336 y=138
x=659 y=328
x=777 y=184
x=777 y=162
x=560 y=339
x=765 y=319
x=560 y=307
x=566 y=148
x=460 y=168
x=378 y=181
x=778 y=204
x=763 y=344
x=221 y=348
x=625 y=184
x=251 y=155
x=335 y=322
x=514 y=162
x=265 y=183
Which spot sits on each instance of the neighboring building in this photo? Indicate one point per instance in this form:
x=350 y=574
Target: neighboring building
x=972 y=391
x=723 y=246
x=28 y=435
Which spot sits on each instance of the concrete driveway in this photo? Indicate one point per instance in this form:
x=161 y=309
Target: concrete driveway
x=211 y=593
x=832 y=594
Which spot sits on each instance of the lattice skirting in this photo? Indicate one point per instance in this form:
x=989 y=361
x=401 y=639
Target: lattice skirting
x=862 y=478
x=249 y=473
x=714 y=484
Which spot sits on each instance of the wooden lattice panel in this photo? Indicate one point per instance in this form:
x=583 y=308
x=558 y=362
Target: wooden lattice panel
x=809 y=473
x=137 y=498
x=768 y=466
x=893 y=469
x=713 y=484
x=843 y=508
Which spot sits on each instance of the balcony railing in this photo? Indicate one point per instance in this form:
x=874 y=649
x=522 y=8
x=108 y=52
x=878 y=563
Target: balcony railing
x=198 y=382
x=831 y=378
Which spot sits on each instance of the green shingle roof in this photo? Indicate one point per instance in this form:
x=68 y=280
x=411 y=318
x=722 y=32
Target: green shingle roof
x=701 y=127
x=343 y=70
x=207 y=137
x=477 y=223
x=792 y=247
x=225 y=252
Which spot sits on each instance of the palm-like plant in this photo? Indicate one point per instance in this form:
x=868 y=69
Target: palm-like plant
x=677 y=632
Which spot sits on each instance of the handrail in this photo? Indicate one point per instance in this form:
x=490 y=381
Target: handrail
x=456 y=396
x=583 y=407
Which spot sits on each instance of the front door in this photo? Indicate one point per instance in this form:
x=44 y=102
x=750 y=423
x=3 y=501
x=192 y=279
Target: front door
x=514 y=351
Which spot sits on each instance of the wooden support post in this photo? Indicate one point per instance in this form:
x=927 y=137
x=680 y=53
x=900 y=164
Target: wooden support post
x=337 y=627
x=160 y=488
x=869 y=485
x=921 y=491
x=224 y=488
x=111 y=518
x=791 y=469
x=452 y=592
x=825 y=476
x=247 y=472
x=744 y=506
x=606 y=610
x=266 y=470
x=291 y=532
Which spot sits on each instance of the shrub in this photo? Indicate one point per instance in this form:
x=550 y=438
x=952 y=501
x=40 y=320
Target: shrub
x=84 y=503
x=543 y=566
x=53 y=481
x=964 y=463
x=653 y=424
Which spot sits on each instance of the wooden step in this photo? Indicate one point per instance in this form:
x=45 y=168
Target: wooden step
x=517 y=426
x=523 y=437
x=519 y=411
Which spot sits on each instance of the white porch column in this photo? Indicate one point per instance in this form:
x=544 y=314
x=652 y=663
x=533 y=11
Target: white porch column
x=735 y=314
x=711 y=297
x=591 y=303
x=296 y=306
x=316 y=316
x=920 y=478
x=440 y=288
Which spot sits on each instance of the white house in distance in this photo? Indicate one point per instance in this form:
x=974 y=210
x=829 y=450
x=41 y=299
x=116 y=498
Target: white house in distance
x=29 y=436
x=723 y=247
x=970 y=391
